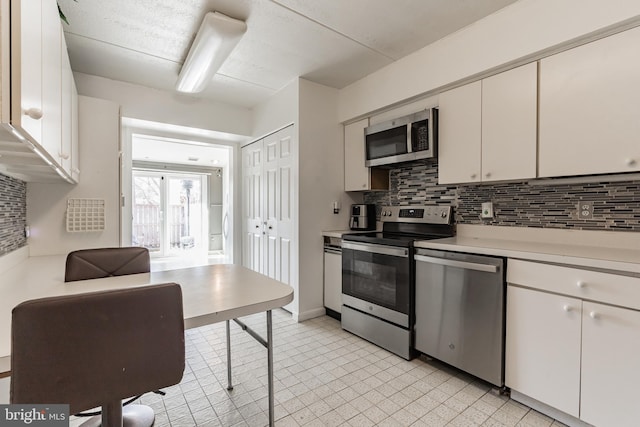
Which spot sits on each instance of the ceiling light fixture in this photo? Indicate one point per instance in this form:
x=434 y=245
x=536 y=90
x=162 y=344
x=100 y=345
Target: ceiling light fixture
x=217 y=37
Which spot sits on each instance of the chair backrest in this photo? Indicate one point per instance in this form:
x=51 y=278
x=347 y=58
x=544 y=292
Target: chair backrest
x=105 y=262
x=88 y=349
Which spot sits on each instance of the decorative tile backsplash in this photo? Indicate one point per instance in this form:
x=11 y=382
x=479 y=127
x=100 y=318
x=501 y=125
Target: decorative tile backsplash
x=616 y=205
x=13 y=213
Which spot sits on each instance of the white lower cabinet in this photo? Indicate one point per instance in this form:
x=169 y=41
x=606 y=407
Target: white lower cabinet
x=568 y=352
x=333 y=281
x=610 y=365
x=542 y=353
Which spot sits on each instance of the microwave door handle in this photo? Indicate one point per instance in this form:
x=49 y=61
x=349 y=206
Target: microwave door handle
x=409 y=147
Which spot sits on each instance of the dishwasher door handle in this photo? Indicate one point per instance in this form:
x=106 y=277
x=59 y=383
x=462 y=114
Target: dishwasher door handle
x=460 y=264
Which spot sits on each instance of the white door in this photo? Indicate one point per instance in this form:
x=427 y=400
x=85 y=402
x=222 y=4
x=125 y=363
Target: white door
x=252 y=206
x=268 y=205
x=610 y=368
x=278 y=204
x=542 y=355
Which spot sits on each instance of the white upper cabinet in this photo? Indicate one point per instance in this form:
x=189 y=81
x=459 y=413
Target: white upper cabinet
x=509 y=121
x=37 y=94
x=26 y=67
x=459 y=134
x=52 y=83
x=589 y=108
x=358 y=177
x=65 y=154
x=356 y=174
x=488 y=129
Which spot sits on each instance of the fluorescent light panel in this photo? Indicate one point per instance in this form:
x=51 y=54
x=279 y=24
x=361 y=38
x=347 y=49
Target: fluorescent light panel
x=217 y=37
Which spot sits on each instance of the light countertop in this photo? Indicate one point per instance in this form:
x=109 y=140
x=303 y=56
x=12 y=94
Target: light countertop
x=336 y=233
x=601 y=250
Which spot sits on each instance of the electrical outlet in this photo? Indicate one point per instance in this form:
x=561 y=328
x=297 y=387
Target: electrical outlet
x=487 y=210
x=585 y=210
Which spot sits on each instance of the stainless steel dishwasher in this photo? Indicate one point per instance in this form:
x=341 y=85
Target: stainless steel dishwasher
x=460 y=311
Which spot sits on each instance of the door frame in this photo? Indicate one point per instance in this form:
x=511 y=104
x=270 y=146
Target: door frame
x=232 y=177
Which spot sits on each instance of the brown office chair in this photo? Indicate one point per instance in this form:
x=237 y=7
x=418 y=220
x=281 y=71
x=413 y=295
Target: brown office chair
x=95 y=349
x=105 y=262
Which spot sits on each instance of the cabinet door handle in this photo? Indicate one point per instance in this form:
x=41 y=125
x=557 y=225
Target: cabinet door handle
x=34 y=113
x=631 y=162
x=64 y=156
x=487 y=175
x=594 y=315
x=581 y=284
x=473 y=176
x=567 y=308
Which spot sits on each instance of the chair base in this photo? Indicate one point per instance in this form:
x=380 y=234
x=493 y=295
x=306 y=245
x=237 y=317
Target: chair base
x=132 y=416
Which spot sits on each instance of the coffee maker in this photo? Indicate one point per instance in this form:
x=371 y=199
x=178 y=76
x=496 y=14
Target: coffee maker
x=363 y=217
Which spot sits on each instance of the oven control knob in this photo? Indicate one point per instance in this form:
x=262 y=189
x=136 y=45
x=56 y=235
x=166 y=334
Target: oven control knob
x=452 y=346
x=443 y=214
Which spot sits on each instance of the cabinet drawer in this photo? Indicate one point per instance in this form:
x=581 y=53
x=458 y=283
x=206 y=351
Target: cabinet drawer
x=609 y=288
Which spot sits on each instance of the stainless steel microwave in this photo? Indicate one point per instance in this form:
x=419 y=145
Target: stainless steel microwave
x=403 y=139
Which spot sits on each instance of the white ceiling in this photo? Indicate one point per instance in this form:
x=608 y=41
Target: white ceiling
x=331 y=42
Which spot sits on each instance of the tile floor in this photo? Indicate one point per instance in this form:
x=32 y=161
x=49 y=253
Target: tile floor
x=325 y=376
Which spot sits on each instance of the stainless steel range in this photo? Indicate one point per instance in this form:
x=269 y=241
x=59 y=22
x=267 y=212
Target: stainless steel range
x=378 y=275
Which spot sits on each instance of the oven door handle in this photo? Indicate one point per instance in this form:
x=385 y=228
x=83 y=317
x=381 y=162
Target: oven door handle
x=460 y=264
x=376 y=249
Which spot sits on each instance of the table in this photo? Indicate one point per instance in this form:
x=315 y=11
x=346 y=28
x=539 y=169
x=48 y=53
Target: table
x=211 y=294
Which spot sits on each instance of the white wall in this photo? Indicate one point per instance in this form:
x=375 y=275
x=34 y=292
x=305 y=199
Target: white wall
x=321 y=174
x=517 y=31
x=276 y=112
x=154 y=105
x=99 y=134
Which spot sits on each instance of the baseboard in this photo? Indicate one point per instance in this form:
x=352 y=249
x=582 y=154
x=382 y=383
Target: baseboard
x=309 y=314
x=548 y=410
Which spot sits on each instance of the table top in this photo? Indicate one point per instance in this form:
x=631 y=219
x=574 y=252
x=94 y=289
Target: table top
x=210 y=294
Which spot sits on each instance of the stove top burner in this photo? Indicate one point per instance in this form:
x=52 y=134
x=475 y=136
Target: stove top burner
x=403 y=225
x=390 y=239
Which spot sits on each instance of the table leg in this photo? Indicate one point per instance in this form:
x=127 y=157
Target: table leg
x=229 y=384
x=270 y=366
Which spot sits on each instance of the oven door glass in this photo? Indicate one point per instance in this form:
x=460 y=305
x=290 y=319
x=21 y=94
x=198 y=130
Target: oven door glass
x=377 y=278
